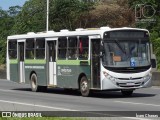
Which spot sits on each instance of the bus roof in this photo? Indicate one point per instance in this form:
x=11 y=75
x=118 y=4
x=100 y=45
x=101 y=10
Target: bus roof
x=65 y=32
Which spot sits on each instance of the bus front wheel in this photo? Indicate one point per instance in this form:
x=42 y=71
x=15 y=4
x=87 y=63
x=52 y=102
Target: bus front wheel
x=84 y=87
x=127 y=92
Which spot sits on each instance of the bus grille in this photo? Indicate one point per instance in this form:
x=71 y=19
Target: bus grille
x=130 y=78
x=125 y=84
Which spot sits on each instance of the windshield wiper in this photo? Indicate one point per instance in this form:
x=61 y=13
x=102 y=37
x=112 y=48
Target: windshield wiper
x=117 y=42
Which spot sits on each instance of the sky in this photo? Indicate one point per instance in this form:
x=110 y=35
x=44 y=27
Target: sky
x=5 y=4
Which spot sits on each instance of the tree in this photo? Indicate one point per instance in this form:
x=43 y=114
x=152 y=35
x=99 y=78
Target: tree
x=7 y=21
x=72 y=14
x=64 y=14
x=14 y=11
x=111 y=13
x=31 y=18
x=67 y=14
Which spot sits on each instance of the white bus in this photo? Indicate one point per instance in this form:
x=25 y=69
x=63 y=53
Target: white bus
x=84 y=59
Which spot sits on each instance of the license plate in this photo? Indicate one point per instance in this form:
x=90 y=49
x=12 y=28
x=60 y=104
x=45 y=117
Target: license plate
x=130 y=84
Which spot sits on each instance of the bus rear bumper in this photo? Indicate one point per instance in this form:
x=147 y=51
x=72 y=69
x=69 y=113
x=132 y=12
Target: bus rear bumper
x=127 y=84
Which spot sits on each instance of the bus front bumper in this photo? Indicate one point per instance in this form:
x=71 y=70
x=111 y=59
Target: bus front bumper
x=117 y=84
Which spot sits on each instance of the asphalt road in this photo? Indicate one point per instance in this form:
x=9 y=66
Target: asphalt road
x=19 y=97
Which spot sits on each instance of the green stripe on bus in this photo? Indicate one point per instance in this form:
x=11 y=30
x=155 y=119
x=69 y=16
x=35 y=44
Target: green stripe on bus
x=36 y=61
x=13 y=61
x=71 y=62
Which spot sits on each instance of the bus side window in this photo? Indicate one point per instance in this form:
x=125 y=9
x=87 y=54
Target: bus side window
x=83 y=47
x=72 y=48
x=30 y=46
x=62 y=47
x=12 y=48
x=40 y=48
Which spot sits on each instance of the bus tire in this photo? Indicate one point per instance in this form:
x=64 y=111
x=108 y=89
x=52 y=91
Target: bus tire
x=84 y=87
x=127 y=92
x=34 y=83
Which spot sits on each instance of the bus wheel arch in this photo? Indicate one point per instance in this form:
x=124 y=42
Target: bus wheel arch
x=32 y=72
x=79 y=79
x=34 y=83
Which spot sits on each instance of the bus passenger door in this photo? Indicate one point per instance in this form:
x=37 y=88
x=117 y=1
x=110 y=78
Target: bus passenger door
x=95 y=63
x=51 y=62
x=21 y=69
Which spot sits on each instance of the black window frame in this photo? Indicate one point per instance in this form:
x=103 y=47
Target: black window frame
x=72 y=51
x=40 y=49
x=28 y=48
x=62 y=48
x=81 y=55
x=12 y=52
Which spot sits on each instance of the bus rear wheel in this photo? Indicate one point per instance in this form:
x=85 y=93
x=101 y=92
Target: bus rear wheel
x=34 y=84
x=84 y=87
x=127 y=92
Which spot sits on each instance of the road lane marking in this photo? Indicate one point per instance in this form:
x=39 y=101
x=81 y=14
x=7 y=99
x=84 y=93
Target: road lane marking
x=125 y=102
x=34 y=105
x=4 y=90
x=65 y=109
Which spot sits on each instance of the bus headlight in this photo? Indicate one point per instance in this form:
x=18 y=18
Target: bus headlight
x=105 y=73
x=109 y=76
x=147 y=77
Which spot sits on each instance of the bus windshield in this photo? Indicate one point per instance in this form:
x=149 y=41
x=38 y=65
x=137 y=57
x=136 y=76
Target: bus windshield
x=123 y=53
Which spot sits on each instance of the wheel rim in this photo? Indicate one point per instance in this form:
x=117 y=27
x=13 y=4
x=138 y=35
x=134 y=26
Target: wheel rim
x=84 y=86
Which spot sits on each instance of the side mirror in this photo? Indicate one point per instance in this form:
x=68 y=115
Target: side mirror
x=153 y=63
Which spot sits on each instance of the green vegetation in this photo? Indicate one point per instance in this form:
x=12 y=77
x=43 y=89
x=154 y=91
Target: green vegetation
x=71 y=14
